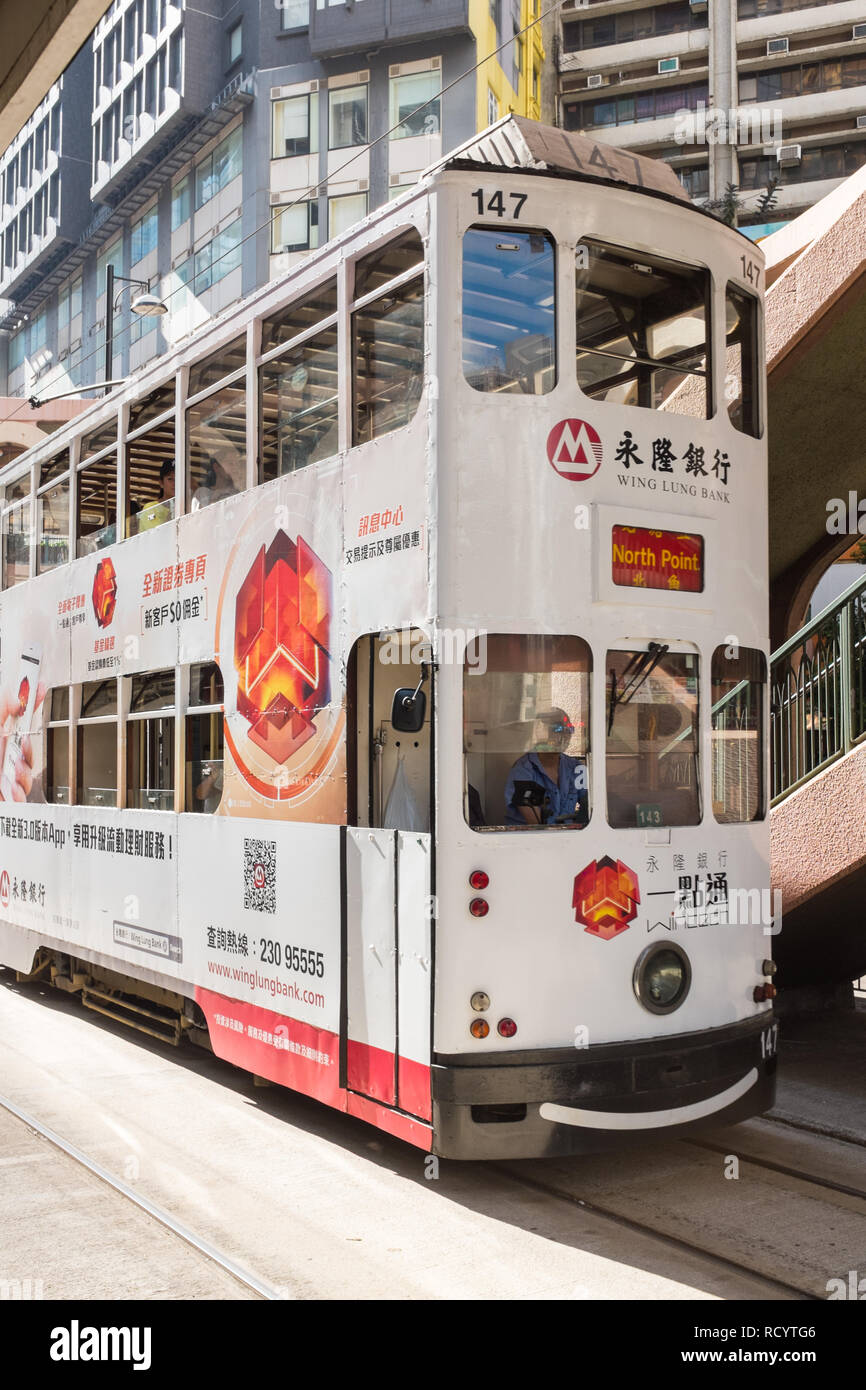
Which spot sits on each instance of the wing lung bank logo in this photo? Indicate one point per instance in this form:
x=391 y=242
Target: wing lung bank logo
x=282 y=638
x=574 y=450
x=606 y=897
x=104 y=592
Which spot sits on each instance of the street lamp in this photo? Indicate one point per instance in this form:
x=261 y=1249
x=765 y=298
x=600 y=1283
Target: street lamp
x=145 y=304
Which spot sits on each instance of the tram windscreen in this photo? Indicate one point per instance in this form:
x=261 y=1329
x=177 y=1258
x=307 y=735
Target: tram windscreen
x=526 y=732
x=642 y=330
x=741 y=361
x=509 y=311
x=652 y=743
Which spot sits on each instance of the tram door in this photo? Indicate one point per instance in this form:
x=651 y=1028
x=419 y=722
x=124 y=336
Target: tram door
x=387 y=875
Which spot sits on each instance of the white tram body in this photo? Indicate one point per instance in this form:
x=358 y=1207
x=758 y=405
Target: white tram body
x=493 y=442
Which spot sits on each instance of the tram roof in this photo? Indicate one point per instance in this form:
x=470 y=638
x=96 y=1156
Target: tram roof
x=518 y=144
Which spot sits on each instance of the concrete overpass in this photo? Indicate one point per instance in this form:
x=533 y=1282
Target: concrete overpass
x=39 y=39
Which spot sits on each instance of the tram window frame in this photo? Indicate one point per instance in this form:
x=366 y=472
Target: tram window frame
x=57 y=722
x=140 y=719
x=630 y=674
x=278 y=455
x=491 y=374
x=86 y=724
x=535 y=660
x=374 y=416
x=11 y=515
x=105 y=535
x=744 y=407
x=200 y=798
x=161 y=508
x=744 y=670
x=642 y=369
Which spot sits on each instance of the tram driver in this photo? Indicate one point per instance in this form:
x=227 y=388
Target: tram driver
x=548 y=786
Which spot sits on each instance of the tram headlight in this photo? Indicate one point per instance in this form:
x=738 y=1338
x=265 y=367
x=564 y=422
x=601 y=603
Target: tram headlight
x=662 y=977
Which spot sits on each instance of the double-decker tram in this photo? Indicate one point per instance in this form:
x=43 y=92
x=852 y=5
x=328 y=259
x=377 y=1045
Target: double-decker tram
x=385 y=670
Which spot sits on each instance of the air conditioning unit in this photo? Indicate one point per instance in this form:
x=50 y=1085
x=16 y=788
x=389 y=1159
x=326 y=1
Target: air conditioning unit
x=861 y=122
x=859 y=31
x=776 y=46
x=595 y=79
x=668 y=65
x=789 y=154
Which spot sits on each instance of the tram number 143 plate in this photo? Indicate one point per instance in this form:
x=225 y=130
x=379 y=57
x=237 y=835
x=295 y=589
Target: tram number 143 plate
x=770 y=1041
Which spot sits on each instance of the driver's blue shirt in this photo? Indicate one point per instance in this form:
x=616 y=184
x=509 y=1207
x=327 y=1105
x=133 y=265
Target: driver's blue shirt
x=564 y=798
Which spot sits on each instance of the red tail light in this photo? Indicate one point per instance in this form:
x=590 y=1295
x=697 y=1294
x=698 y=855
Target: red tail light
x=479 y=907
x=478 y=879
x=506 y=1027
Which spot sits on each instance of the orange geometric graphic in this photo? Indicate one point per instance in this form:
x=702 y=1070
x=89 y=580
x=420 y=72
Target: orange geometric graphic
x=606 y=897
x=282 y=636
x=104 y=592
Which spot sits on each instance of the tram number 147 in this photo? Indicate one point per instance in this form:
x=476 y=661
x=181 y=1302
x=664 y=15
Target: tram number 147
x=770 y=1041
x=495 y=202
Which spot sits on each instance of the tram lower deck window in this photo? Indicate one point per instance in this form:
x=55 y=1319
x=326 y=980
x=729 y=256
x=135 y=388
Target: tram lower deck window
x=509 y=310
x=643 y=327
x=97 y=744
x=150 y=742
x=652 y=743
x=57 y=746
x=526 y=732
x=739 y=680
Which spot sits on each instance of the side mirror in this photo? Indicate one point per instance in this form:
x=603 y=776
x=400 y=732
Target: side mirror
x=408 y=710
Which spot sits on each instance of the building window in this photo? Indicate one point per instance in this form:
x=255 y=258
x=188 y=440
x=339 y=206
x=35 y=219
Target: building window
x=642 y=330
x=737 y=744
x=69 y=304
x=347 y=117
x=652 y=739
x=295 y=228
x=345 y=212
x=97 y=744
x=296 y=126
x=642 y=106
x=526 y=732
x=509 y=311
x=145 y=236
x=294 y=14
x=181 y=203
x=113 y=256
x=492 y=106
x=150 y=742
x=408 y=94
x=235 y=43
x=204 y=739
x=218 y=258
x=216 y=172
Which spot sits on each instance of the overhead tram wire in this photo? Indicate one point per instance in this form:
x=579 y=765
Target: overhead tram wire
x=302 y=197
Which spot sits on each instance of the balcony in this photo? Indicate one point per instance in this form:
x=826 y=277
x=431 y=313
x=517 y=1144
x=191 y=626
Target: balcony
x=351 y=27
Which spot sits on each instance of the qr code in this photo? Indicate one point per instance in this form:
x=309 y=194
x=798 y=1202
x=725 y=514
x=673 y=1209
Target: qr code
x=260 y=875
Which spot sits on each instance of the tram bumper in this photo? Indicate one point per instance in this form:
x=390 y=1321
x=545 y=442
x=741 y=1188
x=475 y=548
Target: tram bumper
x=536 y=1104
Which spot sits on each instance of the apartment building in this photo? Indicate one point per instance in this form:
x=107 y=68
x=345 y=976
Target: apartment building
x=743 y=92
x=201 y=148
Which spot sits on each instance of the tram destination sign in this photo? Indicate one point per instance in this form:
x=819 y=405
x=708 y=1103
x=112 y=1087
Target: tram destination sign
x=644 y=559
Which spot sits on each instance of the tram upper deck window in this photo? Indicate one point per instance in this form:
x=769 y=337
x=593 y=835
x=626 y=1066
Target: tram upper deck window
x=100 y=439
x=17 y=539
x=97 y=504
x=526 y=732
x=204 y=739
x=642 y=330
x=652 y=744
x=52 y=513
x=741 y=361
x=739 y=676
x=57 y=746
x=298 y=389
x=388 y=338
x=150 y=742
x=216 y=443
x=97 y=744
x=217 y=367
x=150 y=474
x=509 y=310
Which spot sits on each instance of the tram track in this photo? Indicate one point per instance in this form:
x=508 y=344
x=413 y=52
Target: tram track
x=590 y=1205
x=260 y=1288
x=771 y=1166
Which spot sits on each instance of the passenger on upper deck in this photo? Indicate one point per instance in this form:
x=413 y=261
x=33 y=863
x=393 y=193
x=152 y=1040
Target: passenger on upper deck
x=163 y=510
x=547 y=785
